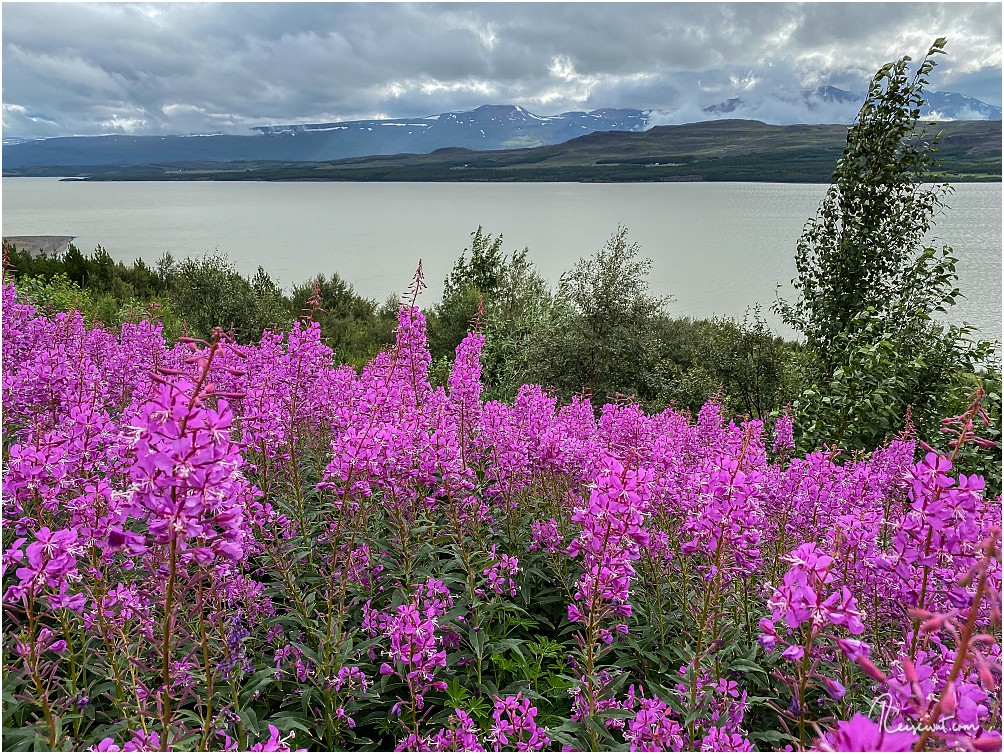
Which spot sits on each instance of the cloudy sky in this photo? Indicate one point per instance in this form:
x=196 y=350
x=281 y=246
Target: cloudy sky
x=90 y=68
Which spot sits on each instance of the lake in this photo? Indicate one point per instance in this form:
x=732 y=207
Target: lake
x=716 y=248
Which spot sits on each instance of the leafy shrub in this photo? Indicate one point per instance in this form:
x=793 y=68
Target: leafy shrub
x=743 y=361
x=601 y=334
x=506 y=298
x=212 y=294
x=356 y=328
x=58 y=293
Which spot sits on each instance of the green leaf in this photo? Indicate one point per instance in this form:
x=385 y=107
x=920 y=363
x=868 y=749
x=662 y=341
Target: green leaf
x=250 y=719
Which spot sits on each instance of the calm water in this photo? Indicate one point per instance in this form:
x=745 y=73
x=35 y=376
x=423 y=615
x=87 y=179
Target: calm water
x=717 y=248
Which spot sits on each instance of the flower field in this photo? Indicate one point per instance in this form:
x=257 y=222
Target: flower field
x=220 y=546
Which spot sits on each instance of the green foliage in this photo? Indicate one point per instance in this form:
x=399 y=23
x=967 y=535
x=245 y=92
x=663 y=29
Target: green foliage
x=58 y=293
x=860 y=250
x=508 y=296
x=470 y=281
x=97 y=272
x=971 y=458
x=354 y=326
x=741 y=361
x=869 y=285
x=514 y=315
x=196 y=295
x=211 y=293
x=601 y=334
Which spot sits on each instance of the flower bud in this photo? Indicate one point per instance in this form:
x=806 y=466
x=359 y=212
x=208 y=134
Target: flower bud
x=834 y=688
x=987 y=679
x=933 y=624
x=794 y=653
x=988 y=742
x=869 y=667
x=949 y=702
x=910 y=671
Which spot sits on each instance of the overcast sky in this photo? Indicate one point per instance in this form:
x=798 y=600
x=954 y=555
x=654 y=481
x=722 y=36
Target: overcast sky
x=201 y=68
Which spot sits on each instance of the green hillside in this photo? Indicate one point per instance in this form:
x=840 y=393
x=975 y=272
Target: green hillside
x=726 y=150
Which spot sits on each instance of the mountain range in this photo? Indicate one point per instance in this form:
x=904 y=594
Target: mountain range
x=720 y=150
x=485 y=127
x=489 y=127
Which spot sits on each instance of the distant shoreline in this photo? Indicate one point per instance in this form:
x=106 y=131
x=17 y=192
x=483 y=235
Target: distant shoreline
x=229 y=178
x=40 y=245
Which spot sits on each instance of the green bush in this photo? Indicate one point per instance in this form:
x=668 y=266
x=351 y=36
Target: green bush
x=208 y=292
x=504 y=296
x=357 y=328
x=742 y=362
x=601 y=334
x=58 y=293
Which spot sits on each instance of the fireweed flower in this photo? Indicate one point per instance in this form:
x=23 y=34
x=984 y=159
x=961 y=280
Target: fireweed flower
x=862 y=734
x=465 y=380
x=188 y=478
x=115 y=456
x=275 y=741
x=783 y=434
x=416 y=650
x=461 y=735
x=945 y=520
x=351 y=678
x=653 y=727
x=799 y=602
x=718 y=740
x=302 y=667
x=141 y=741
x=515 y=726
x=546 y=536
x=500 y=574
x=724 y=706
x=613 y=533
x=729 y=516
x=809 y=616
x=50 y=563
x=613 y=530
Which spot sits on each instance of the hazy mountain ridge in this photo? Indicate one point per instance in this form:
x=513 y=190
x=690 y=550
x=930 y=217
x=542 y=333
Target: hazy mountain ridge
x=830 y=104
x=486 y=127
x=489 y=122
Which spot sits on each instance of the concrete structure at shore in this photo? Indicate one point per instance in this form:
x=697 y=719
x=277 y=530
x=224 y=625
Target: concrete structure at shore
x=36 y=246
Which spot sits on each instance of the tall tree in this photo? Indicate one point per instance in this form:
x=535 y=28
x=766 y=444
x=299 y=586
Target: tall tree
x=869 y=285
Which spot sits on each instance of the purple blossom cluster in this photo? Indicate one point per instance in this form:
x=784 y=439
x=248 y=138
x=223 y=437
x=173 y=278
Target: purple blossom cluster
x=613 y=531
x=501 y=572
x=515 y=727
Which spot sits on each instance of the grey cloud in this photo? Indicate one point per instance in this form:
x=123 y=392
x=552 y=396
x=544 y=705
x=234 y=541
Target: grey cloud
x=168 y=68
